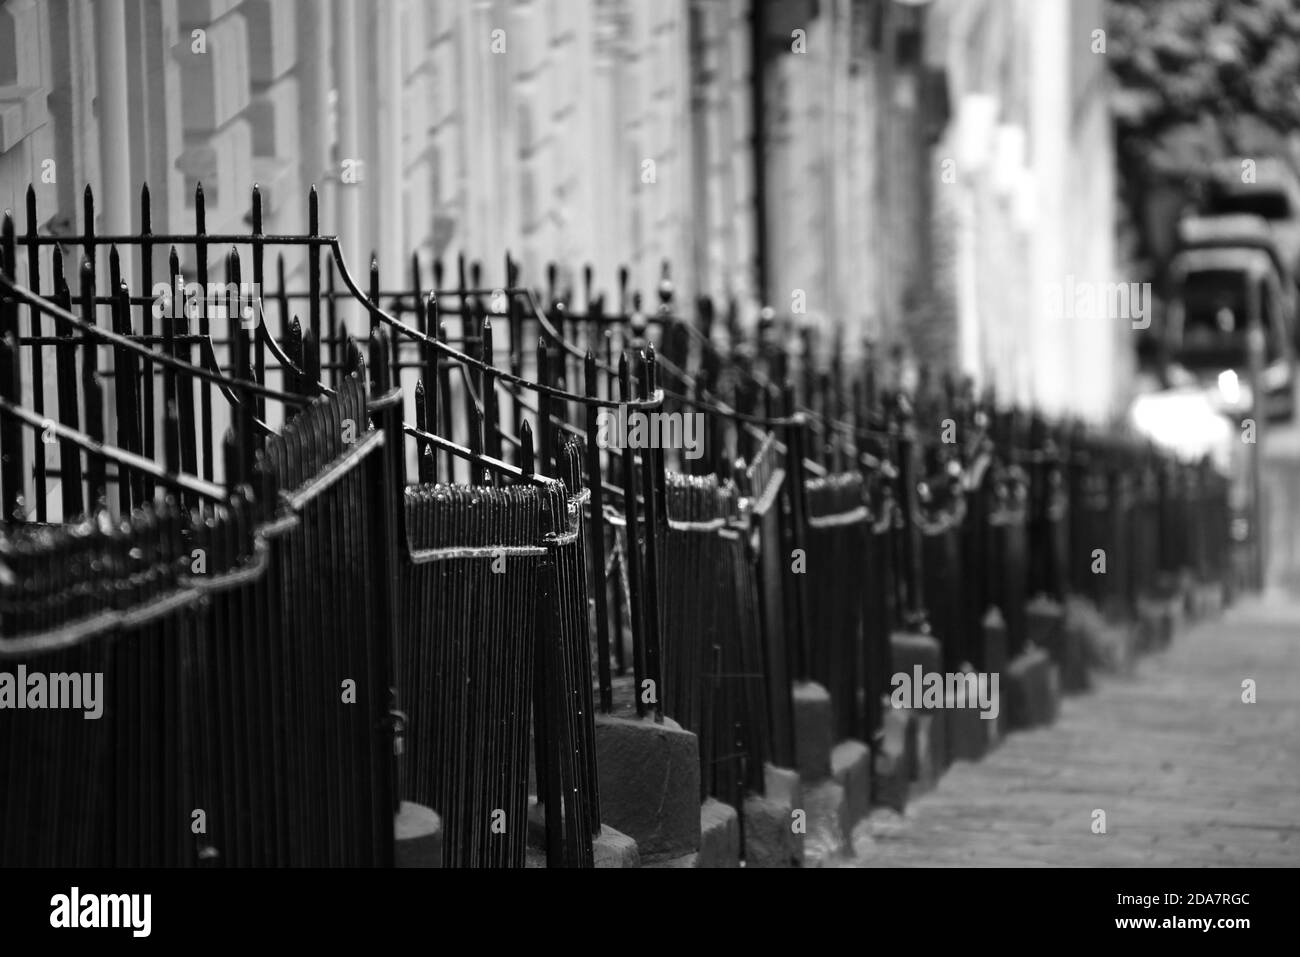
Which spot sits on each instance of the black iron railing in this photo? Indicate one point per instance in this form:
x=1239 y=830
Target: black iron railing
x=486 y=613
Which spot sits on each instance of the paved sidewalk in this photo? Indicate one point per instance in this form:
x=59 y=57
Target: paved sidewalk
x=1187 y=774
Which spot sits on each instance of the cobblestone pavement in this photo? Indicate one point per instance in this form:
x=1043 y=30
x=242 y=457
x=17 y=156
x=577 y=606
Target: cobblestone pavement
x=1187 y=774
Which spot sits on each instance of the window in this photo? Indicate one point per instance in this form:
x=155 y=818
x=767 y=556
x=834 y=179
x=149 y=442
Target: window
x=1215 y=319
x=1270 y=205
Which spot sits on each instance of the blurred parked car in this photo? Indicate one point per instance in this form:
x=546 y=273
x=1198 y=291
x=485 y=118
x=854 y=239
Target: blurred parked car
x=1226 y=355
x=1217 y=296
x=1269 y=189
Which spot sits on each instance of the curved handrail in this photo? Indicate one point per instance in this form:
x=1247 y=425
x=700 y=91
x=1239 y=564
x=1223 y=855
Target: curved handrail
x=160 y=358
x=209 y=355
x=503 y=375
x=573 y=430
x=477 y=458
x=715 y=406
x=175 y=480
x=286 y=364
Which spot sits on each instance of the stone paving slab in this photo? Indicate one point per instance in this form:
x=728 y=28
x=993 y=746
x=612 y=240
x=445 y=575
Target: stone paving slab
x=1187 y=774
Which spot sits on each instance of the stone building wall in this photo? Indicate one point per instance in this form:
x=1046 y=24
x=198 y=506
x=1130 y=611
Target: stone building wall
x=613 y=132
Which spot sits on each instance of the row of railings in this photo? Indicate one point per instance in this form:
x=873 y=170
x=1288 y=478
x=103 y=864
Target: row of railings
x=192 y=665
x=319 y=576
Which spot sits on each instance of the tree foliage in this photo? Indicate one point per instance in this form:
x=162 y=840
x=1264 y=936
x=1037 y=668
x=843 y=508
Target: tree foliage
x=1218 y=76
x=1195 y=81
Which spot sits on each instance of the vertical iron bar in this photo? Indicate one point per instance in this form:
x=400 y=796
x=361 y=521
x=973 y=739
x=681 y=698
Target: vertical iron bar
x=515 y=327
x=544 y=434
x=311 y=376
x=90 y=389
x=11 y=431
x=491 y=423
x=38 y=351
x=386 y=481
x=431 y=363
x=596 y=539
x=313 y=270
x=122 y=382
x=443 y=374
x=245 y=408
x=205 y=389
x=147 y=413
x=634 y=579
x=794 y=483
x=907 y=503
x=652 y=532
x=181 y=383
x=259 y=345
x=421 y=423
x=282 y=295
x=69 y=412
x=334 y=341
x=293 y=348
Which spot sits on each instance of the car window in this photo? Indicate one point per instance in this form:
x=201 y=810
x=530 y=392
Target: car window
x=1215 y=318
x=1214 y=302
x=1267 y=204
